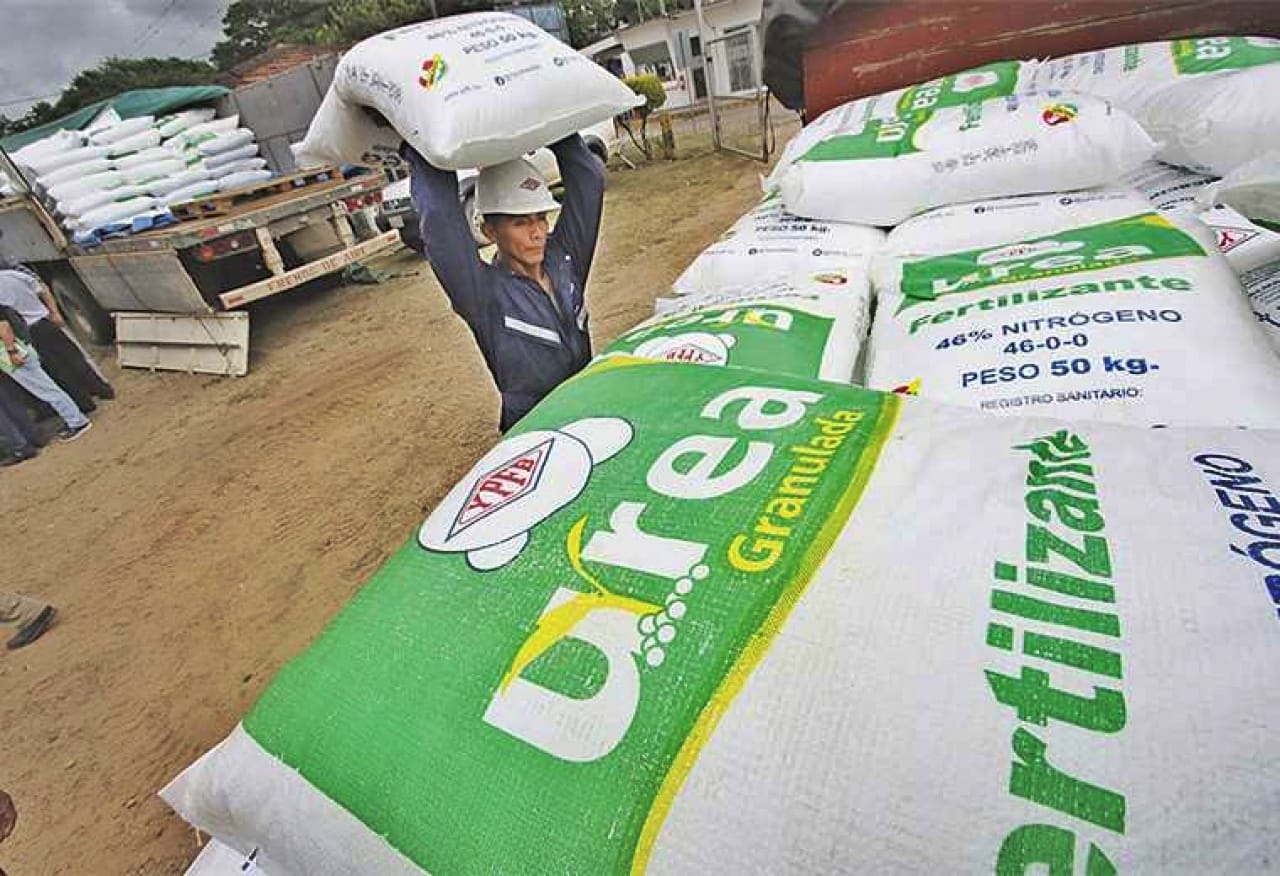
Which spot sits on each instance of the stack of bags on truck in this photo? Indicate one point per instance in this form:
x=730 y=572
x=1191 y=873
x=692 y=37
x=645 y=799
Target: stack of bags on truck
x=749 y=618
x=125 y=176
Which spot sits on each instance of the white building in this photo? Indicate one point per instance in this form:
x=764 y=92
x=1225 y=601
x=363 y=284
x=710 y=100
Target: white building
x=671 y=48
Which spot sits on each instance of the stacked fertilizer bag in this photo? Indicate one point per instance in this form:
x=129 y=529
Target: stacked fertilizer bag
x=705 y=620
x=464 y=91
x=807 y=330
x=126 y=175
x=1250 y=243
x=1090 y=305
x=744 y=618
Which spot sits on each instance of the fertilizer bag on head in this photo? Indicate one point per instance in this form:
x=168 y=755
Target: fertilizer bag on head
x=806 y=331
x=881 y=171
x=343 y=133
x=771 y=245
x=1107 y=310
x=709 y=620
x=1209 y=101
x=479 y=89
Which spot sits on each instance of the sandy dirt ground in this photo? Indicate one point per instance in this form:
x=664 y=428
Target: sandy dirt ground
x=207 y=529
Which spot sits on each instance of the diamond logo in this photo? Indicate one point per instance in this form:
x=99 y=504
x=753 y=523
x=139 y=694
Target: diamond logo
x=502 y=486
x=530 y=184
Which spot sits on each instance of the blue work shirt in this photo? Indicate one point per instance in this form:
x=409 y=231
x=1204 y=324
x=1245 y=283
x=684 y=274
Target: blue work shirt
x=530 y=344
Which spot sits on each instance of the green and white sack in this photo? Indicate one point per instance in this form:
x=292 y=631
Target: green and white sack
x=1253 y=250
x=703 y=620
x=1209 y=101
x=771 y=245
x=882 y=171
x=1122 y=316
x=477 y=89
x=780 y=329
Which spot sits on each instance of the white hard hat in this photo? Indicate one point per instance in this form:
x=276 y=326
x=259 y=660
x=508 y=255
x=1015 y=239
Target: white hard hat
x=513 y=187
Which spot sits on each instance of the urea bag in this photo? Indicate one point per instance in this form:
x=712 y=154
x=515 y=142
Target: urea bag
x=72 y=189
x=188 y=192
x=175 y=124
x=116 y=211
x=155 y=170
x=55 y=144
x=79 y=170
x=1000 y=79
x=53 y=164
x=881 y=171
x=342 y=133
x=190 y=176
x=91 y=201
x=478 y=89
x=1129 y=318
x=231 y=156
x=1253 y=189
x=1209 y=101
x=244 y=164
x=203 y=132
x=143 y=140
x=122 y=131
x=710 y=620
x=779 y=328
x=236 y=139
x=146 y=156
x=242 y=178
x=771 y=245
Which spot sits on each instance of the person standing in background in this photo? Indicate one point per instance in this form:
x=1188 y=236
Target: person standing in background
x=20 y=361
x=60 y=356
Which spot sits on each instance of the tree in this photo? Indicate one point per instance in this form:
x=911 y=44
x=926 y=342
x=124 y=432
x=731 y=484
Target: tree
x=649 y=87
x=348 y=21
x=117 y=75
x=250 y=27
x=589 y=20
x=38 y=115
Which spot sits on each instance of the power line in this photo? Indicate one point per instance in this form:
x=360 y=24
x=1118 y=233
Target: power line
x=32 y=99
x=153 y=28
x=217 y=13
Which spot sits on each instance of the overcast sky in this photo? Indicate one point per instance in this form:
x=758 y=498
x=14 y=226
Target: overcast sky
x=44 y=43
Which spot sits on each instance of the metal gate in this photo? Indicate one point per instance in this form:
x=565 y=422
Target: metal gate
x=737 y=98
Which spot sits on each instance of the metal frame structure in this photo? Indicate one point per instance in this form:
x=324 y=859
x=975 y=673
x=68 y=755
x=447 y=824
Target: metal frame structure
x=762 y=92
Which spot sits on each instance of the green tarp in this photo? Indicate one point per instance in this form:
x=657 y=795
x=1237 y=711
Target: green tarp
x=142 y=102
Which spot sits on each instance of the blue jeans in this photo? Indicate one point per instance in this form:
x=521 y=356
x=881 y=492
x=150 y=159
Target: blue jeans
x=33 y=379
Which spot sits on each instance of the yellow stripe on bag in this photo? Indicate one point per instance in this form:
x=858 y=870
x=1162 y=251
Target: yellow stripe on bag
x=760 y=642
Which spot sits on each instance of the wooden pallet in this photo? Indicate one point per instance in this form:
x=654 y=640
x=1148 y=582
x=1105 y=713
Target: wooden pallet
x=223 y=203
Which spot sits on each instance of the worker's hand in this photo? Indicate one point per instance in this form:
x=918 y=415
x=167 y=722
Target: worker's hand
x=16 y=357
x=56 y=318
x=8 y=815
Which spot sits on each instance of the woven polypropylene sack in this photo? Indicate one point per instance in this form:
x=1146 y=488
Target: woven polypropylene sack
x=882 y=171
x=479 y=89
x=706 y=620
x=1122 y=315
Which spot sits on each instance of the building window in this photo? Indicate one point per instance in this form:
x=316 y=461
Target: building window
x=737 y=49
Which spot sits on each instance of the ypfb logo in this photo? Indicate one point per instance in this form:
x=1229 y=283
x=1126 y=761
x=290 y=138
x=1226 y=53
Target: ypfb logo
x=433 y=70
x=1059 y=114
x=694 y=348
x=530 y=184
x=516 y=486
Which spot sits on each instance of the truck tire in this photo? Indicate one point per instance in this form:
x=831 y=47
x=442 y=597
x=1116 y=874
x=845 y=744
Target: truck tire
x=90 y=323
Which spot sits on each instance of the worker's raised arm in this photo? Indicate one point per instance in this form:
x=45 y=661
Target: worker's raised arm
x=447 y=237
x=579 y=222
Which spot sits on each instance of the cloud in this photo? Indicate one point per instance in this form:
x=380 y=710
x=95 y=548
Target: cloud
x=45 y=43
